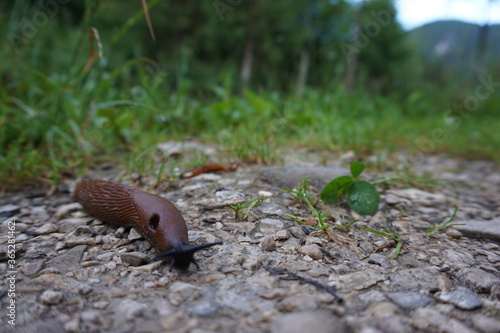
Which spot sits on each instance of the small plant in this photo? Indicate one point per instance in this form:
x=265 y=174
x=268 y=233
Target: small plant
x=251 y=204
x=393 y=235
x=301 y=195
x=433 y=228
x=361 y=196
x=345 y=225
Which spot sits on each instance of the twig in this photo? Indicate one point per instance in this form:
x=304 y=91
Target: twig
x=292 y=276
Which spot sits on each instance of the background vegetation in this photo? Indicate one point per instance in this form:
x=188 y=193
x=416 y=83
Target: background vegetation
x=83 y=82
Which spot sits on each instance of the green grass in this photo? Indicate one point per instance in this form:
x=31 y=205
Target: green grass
x=57 y=119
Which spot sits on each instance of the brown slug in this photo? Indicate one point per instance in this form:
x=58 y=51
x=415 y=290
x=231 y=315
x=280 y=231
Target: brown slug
x=154 y=217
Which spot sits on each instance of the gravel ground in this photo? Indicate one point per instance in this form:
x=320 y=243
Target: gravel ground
x=75 y=274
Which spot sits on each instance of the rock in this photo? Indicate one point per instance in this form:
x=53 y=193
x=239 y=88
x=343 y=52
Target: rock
x=273 y=209
x=134 y=235
x=268 y=244
x=9 y=210
x=134 y=258
x=361 y=280
x=486 y=229
x=31 y=268
x=299 y=302
x=418 y=196
x=431 y=320
x=149 y=268
x=176 y=148
x=486 y=324
x=478 y=279
x=67 y=209
x=463 y=299
x=130 y=309
x=425 y=278
x=312 y=250
x=410 y=300
x=40 y=213
x=180 y=292
x=51 y=297
x=48 y=228
x=68 y=261
x=320 y=321
x=270 y=226
x=381 y=310
x=68 y=225
x=392 y=324
x=252 y=264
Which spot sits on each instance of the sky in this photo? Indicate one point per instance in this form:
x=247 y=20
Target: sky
x=414 y=13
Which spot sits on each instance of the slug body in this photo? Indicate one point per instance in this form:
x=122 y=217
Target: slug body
x=156 y=218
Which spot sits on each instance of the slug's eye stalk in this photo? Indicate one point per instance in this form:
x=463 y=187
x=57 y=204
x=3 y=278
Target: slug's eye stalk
x=182 y=256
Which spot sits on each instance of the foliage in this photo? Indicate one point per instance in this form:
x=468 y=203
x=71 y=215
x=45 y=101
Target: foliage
x=361 y=196
x=238 y=207
x=433 y=228
x=303 y=196
x=393 y=235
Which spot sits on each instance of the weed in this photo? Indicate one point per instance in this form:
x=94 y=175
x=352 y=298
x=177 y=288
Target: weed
x=303 y=196
x=251 y=204
x=361 y=196
x=434 y=228
x=345 y=225
x=393 y=235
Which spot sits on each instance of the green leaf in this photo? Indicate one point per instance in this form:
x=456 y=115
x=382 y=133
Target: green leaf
x=335 y=190
x=363 y=198
x=357 y=168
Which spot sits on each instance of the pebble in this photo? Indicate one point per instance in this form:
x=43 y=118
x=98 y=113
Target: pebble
x=9 y=210
x=463 y=299
x=180 y=292
x=131 y=309
x=268 y=244
x=68 y=261
x=312 y=250
x=48 y=228
x=485 y=324
x=134 y=258
x=270 y=226
x=51 y=297
x=478 y=279
x=134 y=235
x=320 y=321
x=67 y=209
x=252 y=264
x=409 y=300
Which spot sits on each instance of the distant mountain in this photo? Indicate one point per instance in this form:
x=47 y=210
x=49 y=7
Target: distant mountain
x=455 y=43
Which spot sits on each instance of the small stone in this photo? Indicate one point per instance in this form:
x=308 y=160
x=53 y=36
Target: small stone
x=298 y=302
x=268 y=244
x=381 y=310
x=251 y=264
x=134 y=258
x=134 y=235
x=281 y=235
x=147 y=268
x=48 y=228
x=478 y=279
x=68 y=261
x=485 y=324
x=312 y=250
x=69 y=225
x=31 y=268
x=430 y=320
x=90 y=316
x=273 y=209
x=320 y=321
x=9 y=210
x=72 y=326
x=39 y=213
x=67 y=209
x=131 y=309
x=463 y=299
x=180 y=292
x=213 y=277
x=270 y=226
x=51 y=297
x=409 y=300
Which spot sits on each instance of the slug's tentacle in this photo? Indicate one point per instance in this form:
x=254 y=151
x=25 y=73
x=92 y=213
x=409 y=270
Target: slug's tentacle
x=154 y=217
x=181 y=256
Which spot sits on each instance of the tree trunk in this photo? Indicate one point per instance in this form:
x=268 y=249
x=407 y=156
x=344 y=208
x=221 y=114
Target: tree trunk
x=303 y=71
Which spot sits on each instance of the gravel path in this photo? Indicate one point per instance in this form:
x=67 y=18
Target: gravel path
x=74 y=274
